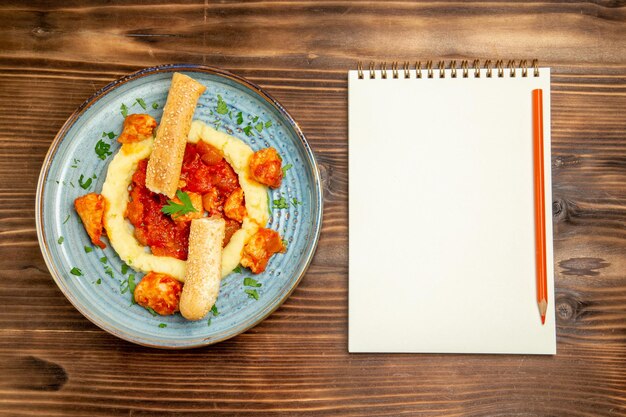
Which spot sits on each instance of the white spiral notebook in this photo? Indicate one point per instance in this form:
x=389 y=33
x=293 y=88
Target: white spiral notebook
x=441 y=215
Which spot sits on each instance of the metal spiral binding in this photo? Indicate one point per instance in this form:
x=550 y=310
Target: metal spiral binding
x=488 y=66
x=464 y=66
x=511 y=66
x=441 y=67
x=500 y=69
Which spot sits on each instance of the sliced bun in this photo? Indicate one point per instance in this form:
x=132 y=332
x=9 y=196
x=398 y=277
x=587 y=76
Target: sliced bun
x=166 y=160
x=204 y=267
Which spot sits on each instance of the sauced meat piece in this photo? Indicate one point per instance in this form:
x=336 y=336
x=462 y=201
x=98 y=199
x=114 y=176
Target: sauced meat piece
x=160 y=292
x=266 y=167
x=231 y=227
x=137 y=127
x=235 y=207
x=260 y=248
x=213 y=202
x=209 y=154
x=90 y=208
x=153 y=228
x=200 y=177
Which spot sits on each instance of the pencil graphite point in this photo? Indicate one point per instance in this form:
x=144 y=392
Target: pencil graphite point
x=543 y=307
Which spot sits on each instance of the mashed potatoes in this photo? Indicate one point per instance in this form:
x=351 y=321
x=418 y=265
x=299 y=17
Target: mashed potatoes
x=115 y=190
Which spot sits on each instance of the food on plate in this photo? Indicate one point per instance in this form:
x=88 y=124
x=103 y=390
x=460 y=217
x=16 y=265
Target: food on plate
x=260 y=248
x=163 y=171
x=90 y=209
x=189 y=235
x=234 y=206
x=127 y=170
x=159 y=292
x=266 y=167
x=137 y=127
x=202 y=280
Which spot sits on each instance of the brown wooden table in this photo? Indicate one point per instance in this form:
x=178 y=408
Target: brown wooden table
x=53 y=361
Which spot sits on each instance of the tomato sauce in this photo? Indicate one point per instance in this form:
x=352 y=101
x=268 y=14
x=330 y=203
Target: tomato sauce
x=204 y=171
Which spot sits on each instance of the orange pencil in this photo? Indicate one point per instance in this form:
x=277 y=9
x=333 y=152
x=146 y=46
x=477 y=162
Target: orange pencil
x=540 y=216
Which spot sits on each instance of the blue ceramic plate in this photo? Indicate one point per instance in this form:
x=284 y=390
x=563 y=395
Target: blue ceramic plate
x=73 y=168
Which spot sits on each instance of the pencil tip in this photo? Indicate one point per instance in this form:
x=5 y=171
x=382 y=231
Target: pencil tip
x=543 y=308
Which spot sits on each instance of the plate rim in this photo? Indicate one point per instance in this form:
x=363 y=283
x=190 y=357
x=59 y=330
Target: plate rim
x=78 y=112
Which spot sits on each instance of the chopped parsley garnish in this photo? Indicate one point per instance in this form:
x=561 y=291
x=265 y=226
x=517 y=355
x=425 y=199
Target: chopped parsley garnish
x=214 y=311
x=109 y=135
x=131 y=287
x=124 y=269
x=155 y=105
x=268 y=123
x=141 y=103
x=208 y=323
x=255 y=119
x=88 y=249
x=251 y=282
x=75 y=163
x=269 y=206
x=109 y=271
x=237 y=270
x=259 y=127
x=286 y=168
x=248 y=130
x=222 y=107
x=76 y=271
x=84 y=184
x=230 y=115
x=124 y=110
x=103 y=149
x=239 y=118
x=66 y=219
x=99 y=281
x=295 y=202
x=285 y=243
x=281 y=203
x=162 y=325
x=151 y=311
x=104 y=259
x=252 y=294
x=124 y=287
x=60 y=240
x=172 y=208
x=128 y=285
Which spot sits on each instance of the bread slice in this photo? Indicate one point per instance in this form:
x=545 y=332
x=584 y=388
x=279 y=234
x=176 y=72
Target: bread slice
x=166 y=160
x=204 y=267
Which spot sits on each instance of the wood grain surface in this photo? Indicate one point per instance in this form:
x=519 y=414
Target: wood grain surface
x=53 y=361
